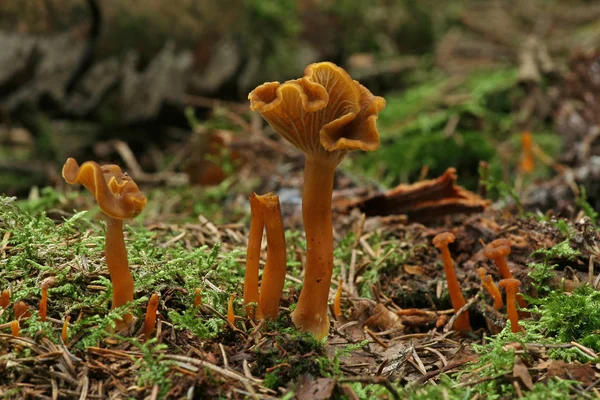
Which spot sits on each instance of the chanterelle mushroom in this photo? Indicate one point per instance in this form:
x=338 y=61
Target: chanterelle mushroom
x=119 y=198
x=325 y=114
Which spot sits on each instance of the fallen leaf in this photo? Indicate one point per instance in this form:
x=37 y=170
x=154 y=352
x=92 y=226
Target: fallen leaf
x=521 y=372
x=309 y=388
x=414 y=269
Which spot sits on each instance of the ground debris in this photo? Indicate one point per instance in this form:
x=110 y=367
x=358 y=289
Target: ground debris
x=421 y=201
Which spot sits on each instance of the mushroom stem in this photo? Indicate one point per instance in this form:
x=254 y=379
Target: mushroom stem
x=118 y=268
x=44 y=303
x=5 y=298
x=273 y=279
x=511 y=285
x=150 y=319
x=230 y=311
x=503 y=267
x=337 y=300
x=257 y=225
x=311 y=312
x=64 y=334
x=15 y=328
x=457 y=299
x=491 y=288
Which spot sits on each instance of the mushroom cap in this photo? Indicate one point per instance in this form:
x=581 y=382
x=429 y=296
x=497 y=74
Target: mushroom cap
x=442 y=239
x=497 y=248
x=509 y=282
x=322 y=113
x=117 y=194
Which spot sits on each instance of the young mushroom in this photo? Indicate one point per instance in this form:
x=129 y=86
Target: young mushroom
x=150 y=318
x=265 y=212
x=491 y=288
x=457 y=299
x=44 y=301
x=324 y=114
x=511 y=285
x=497 y=251
x=230 y=311
x=257 y=225
x=119 y=198
x=5 y=298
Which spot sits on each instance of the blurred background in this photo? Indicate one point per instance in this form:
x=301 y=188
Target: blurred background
x=161 y=87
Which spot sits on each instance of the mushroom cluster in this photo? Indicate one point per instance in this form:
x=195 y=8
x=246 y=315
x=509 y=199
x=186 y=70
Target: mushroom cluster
x=325 y=114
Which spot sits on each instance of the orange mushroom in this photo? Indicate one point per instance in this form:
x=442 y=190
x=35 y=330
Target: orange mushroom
x=457 y=299
x=65 y=329
x=527 y=162
x=491 y=288
x=497 y=251
x=271 y=285
x=119 y=198
x=150 y=319
x=337 y=300
x=15 y=328
x=21 y=310
x=5 y=298
x=510 y=286
x=230 y=311
x=44 y=301
x=198 y=297
x=324 y=114
x=257 y=225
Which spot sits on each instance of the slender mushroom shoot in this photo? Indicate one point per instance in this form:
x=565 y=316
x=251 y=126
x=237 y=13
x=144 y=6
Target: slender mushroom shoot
x=273 y=279
x=44 y=302
x=337 y=300
x=119 y=198
x=257 y=226
x=457 y=299
x=324 y=114
x=150 y=318
x=497 y=251
x=511 y=287
x=491 y=288
x=5 y=298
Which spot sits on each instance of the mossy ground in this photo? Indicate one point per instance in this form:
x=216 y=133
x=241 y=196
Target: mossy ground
x=196 y=352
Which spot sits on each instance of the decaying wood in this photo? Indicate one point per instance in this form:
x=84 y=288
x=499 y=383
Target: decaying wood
x=421 y=201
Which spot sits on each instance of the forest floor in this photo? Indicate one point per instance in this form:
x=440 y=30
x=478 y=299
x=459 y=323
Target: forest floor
x=394 y=338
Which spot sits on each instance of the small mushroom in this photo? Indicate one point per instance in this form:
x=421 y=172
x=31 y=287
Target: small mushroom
x=527 y=164
x=15 y=328
x=44 y=301
x=511 y=286
x=324 y=114
x=265 y=213
x=197 y=297
x=150 y=319
x=5 y=298
x=457 y=299
x=337 y=300
x=21 y=310
x=271 y=285
x=65 y=329
x=491 y=288
x=497 y=251
x=230 y=311
x=119 y=198
x=257 y=226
